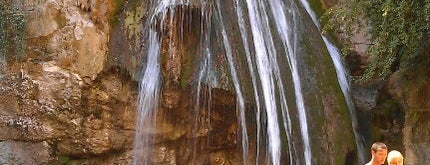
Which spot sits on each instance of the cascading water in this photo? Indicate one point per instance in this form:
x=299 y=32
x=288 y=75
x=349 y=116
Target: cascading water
x=148 y=101
x=342 y=76
x=149 y=90
x=261 y=51
x=236 y=84
x=268 y=71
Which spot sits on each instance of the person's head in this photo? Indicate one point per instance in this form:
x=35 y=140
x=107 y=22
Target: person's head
x=395 y=158
x=379 y=152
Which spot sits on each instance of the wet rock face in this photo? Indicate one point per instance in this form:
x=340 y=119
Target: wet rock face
x=67 y=100
x=185 y=136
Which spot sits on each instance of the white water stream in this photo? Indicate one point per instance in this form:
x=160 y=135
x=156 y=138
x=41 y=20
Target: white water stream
x=148 y=102
x=342 y=76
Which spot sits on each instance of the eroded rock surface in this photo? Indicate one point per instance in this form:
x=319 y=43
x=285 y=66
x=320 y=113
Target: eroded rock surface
x=61 y=99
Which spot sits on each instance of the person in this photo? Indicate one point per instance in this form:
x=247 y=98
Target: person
x=395 y=158
x=379 y=153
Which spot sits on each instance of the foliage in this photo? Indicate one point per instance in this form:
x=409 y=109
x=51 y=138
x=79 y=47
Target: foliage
x=396 y=27
x=12 y=33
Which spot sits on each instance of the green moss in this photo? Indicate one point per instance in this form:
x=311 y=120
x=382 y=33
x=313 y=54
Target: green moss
x=186 y=72
x=415 y=79
x=133 y=22
x=134 y=2
x=309 y=50
x=317 y=7
x=324 y=75
x=62 y=160
x=115 y=19
x=129 y=5
x=60 y=19
x=323 y=64
x=413 y=115
x=13 y=34
x=3 y=33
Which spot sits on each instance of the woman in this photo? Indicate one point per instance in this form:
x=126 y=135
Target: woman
x=395 y=158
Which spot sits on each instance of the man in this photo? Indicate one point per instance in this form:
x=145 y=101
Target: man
x=379 y=153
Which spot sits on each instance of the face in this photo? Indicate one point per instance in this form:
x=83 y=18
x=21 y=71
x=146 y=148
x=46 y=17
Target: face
x=379 y=156
x=396 y=161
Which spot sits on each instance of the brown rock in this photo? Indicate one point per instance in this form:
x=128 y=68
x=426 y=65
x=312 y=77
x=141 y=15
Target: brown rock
x=19 y=152
x=61 y=91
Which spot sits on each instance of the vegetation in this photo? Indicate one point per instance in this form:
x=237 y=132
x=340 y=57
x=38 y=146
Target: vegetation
x=397 y=28
x=12 y=33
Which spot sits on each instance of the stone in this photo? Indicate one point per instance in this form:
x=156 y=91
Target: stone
x=43 y=18
x=61 y=93
x=20 y=152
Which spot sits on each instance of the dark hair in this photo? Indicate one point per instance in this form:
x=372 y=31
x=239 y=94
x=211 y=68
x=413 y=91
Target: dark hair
x=378 y=146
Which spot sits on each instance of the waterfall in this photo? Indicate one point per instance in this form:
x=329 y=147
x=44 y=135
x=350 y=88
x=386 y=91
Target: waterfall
x=342 y=76
x=236 y=84
x=261 y=53
x=149 y=89
x=284 y=30
x=243 y=32
x=265 y=76
x=268 y=71
x=283 y=102
x=148 y=101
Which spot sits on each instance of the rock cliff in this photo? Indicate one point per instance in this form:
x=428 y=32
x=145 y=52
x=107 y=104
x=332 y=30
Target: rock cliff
x=71 y=98
x=60 y=100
